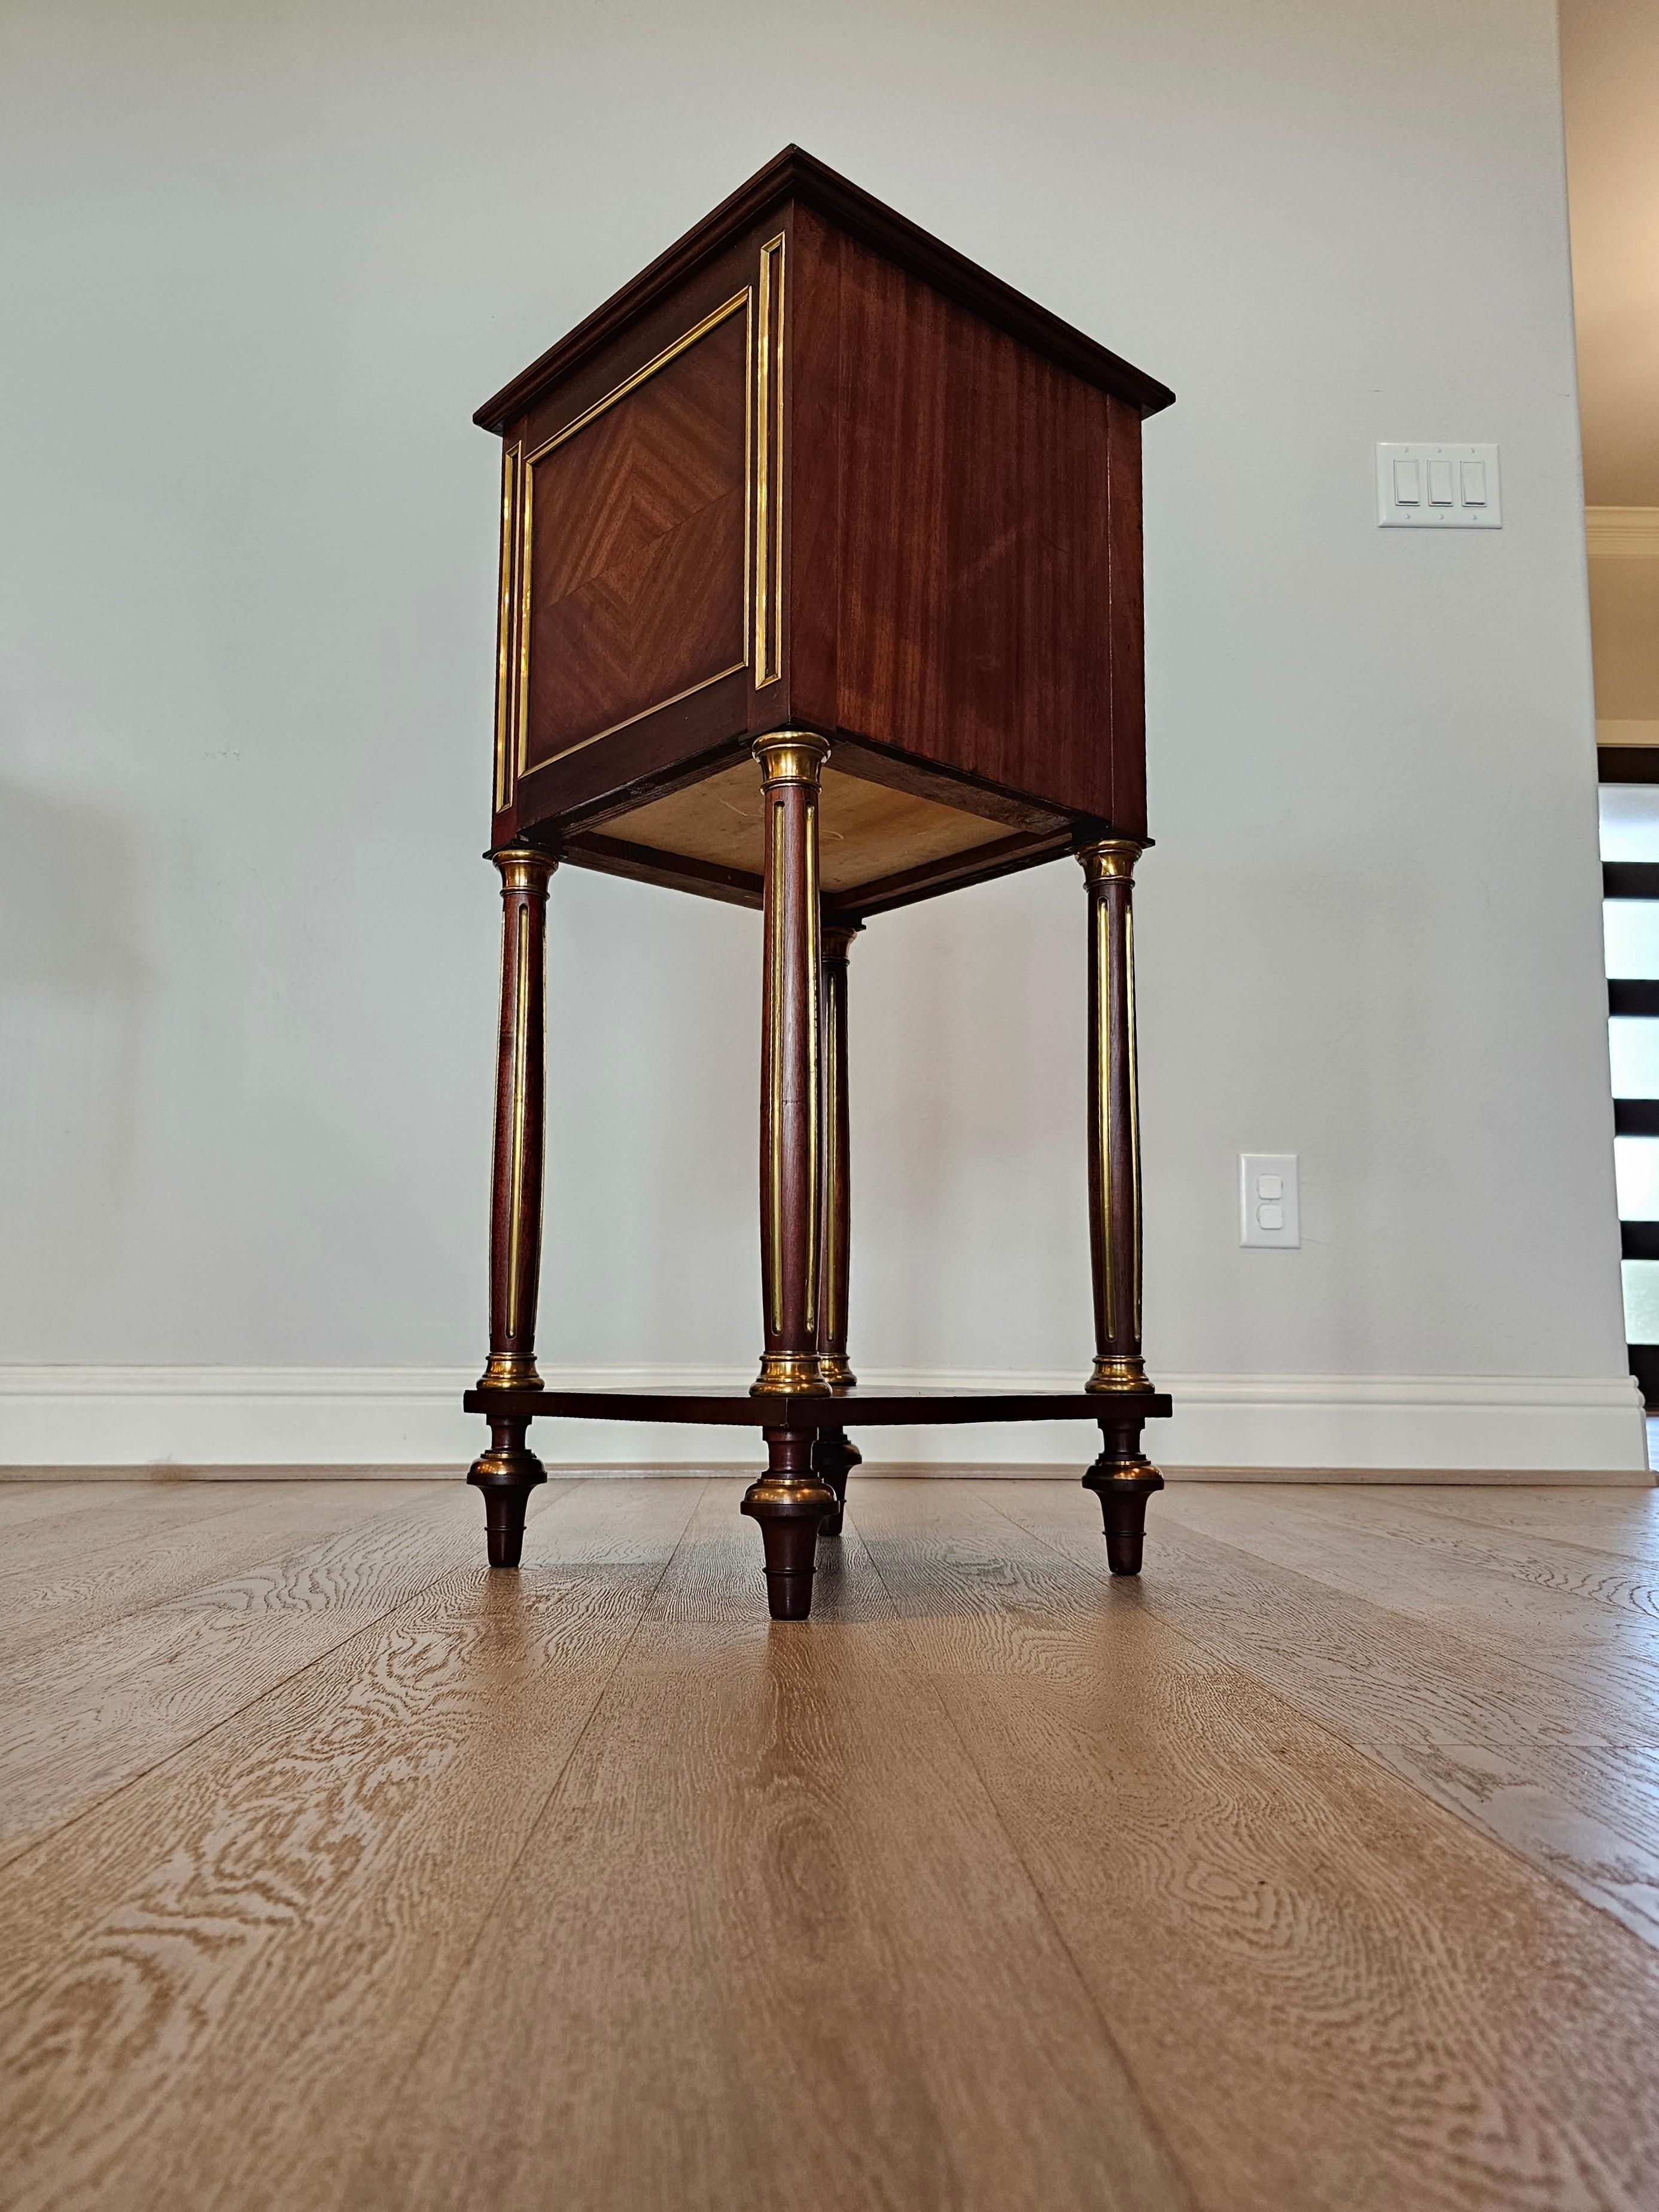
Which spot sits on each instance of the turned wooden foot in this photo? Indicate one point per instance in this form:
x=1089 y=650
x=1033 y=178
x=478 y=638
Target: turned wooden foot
x=790 y=1502
x=834 y=1458
x=506 y=1474
x=1123 y=1480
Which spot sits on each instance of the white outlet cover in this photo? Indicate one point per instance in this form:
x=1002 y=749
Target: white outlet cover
x=1439 y=487
x=1269 y=1202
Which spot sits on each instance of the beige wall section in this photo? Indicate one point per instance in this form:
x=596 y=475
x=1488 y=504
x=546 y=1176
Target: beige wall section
x=1610 y=80
x=258 y=265
x=1624 y=592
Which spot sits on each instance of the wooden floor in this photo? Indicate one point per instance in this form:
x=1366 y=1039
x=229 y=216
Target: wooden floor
x=1319 y=1869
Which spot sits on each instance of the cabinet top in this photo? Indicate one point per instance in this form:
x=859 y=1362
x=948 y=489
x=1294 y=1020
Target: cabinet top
x=796 y=175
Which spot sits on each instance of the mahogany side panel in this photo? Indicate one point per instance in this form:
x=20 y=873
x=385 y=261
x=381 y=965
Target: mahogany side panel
x=638 y=544
x=808 y=696
x=973 y=594
x=1128 y=607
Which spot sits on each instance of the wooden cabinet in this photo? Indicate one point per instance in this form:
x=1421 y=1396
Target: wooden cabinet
x=820 y=593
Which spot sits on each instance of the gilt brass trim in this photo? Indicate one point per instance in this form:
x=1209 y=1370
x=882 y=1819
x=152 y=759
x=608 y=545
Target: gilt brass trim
x=1112 y=860
x=1128 y=1374
x=800 y=1373
x=642 y=375
x=768 y=470
x=510 y=1370
x=744 y=300
x=792 y=756
x=506 y=653
x=524 y=868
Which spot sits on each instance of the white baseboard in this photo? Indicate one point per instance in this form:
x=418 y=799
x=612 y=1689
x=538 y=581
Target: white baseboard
x=404 y=1419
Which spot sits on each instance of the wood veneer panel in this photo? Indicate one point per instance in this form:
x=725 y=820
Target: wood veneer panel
x=639 y=535
x=866 y=830
x=1331 y=1993
x=215 y=1981
x=890 y=2023
x=1127 y=642
x=974 y=553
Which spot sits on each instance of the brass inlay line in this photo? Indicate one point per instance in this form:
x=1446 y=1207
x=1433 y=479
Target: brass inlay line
x=777 y=858
x=512 y=456
x=832 y=1168
x=814 y=1064
x=520 y=1108
x=768 y=487
x=526 y=530
x=631 y=383
x=1103 y=1097
x=1134 y=1111
x=655 y=708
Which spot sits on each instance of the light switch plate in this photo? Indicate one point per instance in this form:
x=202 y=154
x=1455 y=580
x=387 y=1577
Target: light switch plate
x=1269 y=1201
x=1439 y=487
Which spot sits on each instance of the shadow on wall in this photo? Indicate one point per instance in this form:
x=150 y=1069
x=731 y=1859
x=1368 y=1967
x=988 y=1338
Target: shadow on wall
x=73 y=984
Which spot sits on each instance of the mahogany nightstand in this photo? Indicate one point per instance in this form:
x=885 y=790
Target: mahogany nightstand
x=820 y=593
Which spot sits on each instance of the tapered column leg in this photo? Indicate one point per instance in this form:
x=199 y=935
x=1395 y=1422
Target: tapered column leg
x=1122 y=1476
x=790 y=1500
x=791 y=1077
x=835 y=1455
x=509 y=1470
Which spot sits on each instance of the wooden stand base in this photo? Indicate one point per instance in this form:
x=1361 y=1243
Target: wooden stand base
x=809 y=1457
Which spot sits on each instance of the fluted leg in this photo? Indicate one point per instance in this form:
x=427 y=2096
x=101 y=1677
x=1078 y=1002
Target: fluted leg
x=509 y=1471
x=792 y=1076
x=790 y=1500
x=835 y=1455
x=1122 y=1476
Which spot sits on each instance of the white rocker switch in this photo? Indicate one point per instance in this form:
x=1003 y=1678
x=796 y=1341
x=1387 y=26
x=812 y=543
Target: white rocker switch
x=1437 y=487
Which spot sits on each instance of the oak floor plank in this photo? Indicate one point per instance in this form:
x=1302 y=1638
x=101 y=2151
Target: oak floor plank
x=768 y=1946
x=82 y=1719
x=1559 y=1565
x=220 y=1974
x=1611 y=1653
x=71 y=1519
x=24 y=1505
x=1624 y=1522
x=1523 y=1757
x=147 y=1560
x=1330 y=1993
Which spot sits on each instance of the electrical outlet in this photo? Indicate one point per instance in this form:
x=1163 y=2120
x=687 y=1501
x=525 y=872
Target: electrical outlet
x=1269 y=1201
